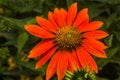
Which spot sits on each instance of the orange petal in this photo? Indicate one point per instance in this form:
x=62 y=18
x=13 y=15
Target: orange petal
x=84 y=23
x=75 y=60
x=85 y=59
x=94 y=43
x=71 y=13
x=45 y=57
x=81 y=16
x=52 y=66
x=70 y=63
x=64 y=15
x=41 y=48
x=58 y=17
x=92 y=64
x=94 y=51
x=38 y=31
x=46 y=24
x=64 y=12
x=62 y=65
x=97 y=34
x=51 y=19
x=92 y=26
x=82 y=57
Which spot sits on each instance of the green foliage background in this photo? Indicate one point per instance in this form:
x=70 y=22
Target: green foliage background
x=15 y=42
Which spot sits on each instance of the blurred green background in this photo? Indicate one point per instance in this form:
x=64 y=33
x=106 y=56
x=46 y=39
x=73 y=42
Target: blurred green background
x=15 y=42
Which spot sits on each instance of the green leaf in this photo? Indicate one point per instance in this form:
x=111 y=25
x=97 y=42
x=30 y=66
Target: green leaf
x=109 y=40
x=110 y=52
x=32 y=21
x=21 y=22
x=117 y=34
x=31 y=5
x=94 y=8
x=110 y=20
x=29 y=65
x=69 y=2
x=116 y=57
x=111 y=2
x=22 y=39
x=94 y=12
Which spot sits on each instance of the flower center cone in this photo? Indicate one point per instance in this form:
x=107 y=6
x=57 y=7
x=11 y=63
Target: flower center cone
x=68 y=37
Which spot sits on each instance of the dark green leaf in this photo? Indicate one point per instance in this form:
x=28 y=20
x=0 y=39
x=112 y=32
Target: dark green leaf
x=110 y=20
x=117 y=34
x=108 y=40
x=112 y=2
x=69 y=2
x=22 y=39
x=110 y=52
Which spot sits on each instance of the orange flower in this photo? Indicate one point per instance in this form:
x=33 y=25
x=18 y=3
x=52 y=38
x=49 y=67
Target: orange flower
x=70 y=39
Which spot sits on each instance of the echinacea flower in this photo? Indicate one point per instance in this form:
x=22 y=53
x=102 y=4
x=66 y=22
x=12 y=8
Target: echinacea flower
x=69 y=41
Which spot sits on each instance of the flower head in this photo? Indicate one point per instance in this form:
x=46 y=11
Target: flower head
x=70 y=40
